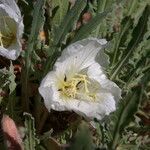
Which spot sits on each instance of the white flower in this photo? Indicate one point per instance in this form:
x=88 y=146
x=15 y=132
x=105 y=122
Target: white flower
x=11 y=29
x=78 y=82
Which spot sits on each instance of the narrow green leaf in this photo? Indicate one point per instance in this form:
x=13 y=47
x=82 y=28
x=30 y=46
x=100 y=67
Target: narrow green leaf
x=89 y=27
x=127 y=110
x=68 y=21
x=37 y=23
x=60 y=12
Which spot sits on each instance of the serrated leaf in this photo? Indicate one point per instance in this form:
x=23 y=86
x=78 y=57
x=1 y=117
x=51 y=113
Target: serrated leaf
x=125 y=113
x=137 y=37
x=31 y=141
x=135 y=9
x=4 y=75
x=12 y=92
x=113 y=19
x=12 y=77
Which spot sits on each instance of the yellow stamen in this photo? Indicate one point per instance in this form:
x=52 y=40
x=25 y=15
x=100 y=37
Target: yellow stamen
x=6 y=36
x=76 y=86
x=6 y=41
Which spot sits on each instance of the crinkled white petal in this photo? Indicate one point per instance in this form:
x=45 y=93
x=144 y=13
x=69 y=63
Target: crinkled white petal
x=96 y=72
x=11 y=53
x=79 y=56
x=15 y=23
x=12 y=4
x=90 y=110
x=95 y=43
x=78 y=61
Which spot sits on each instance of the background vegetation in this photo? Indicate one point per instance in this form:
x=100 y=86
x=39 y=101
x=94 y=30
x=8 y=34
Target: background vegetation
x=51 y=25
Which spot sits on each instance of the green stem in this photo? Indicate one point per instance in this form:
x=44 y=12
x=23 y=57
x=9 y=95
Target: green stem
x=37 y=23
x=42 y=121
x=25 y=79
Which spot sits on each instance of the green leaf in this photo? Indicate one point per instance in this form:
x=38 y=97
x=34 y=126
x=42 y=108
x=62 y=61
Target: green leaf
x=62 y=8
x=125 y=114
x=89 y=27
x=135 y=9
x=3 y=73
x=106 y=27
x=31 y=140
x=37 y=24
x=83 y=140
x=12 y=84
x=128 y=22
x=12 y=94
x=68 y=22
x=137 y=37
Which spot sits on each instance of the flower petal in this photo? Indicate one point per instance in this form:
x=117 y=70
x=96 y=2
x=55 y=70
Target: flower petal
x=112 y=88
x=75 y=62
x=13 y=5
x=91 y=110
x=14 y=24
x=87 y=109
x=47 y=89
x=76 y=47
x=96 y=72
x=11 y=53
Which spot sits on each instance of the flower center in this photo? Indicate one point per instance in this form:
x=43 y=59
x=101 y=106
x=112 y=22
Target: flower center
x=5 y=40
x=6 y=35
x=77 y=87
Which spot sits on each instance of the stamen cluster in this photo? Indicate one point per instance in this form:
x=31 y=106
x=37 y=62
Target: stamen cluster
x=72 y=88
